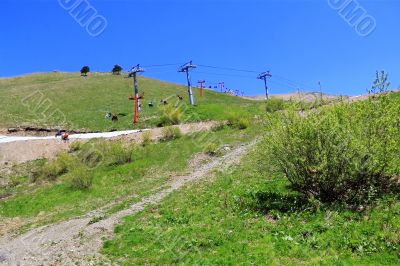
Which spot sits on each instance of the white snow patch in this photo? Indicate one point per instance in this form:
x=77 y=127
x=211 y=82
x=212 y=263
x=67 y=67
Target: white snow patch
x=7 y=139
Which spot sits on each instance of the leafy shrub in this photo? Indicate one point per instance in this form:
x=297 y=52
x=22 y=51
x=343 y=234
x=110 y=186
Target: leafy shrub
x=105 y=152
x=15 y=181
x=92 y=155
x=212 y=149
x=218 y=127
x=237 y=121
x=53 y=169
x=243 y=123
x=66 y=161
x=119 y=154
x=344 y=153
x=81 y=178
x=146 y=138
x=50 y=171
x=170 y=115
x=274 y=105
x=75 y=146
x=36 y=169
x=170 y=133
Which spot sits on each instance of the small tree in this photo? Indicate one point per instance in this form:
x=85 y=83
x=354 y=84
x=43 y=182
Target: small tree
x=381 y=83
x=85 y=70
x=117 y=70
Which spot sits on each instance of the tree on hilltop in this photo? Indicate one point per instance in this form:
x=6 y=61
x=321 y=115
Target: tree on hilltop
x=117 y=70
x=85 y=70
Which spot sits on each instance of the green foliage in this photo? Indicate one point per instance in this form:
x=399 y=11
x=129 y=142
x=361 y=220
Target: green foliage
x=116 y=70
x=218 y=126
x=119 y=153
x=344 y=153
x=274 y=105
x=124 y=184
x=93 y=156
x=212 y=149
x=75 y=146
x=16 y=181
x=170 y=115
x=95 y=219
x=105 y=152
x=237 y=121
x=103 y=93
x=381 y=83
x=85 y=70
x=81 y=178
x=243 y=123
x=52 y=170
x=249 y=216
x=146 y=138
x=171 y=133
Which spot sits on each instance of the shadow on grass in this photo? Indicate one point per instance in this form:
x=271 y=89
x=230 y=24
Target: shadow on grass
x=267 y=201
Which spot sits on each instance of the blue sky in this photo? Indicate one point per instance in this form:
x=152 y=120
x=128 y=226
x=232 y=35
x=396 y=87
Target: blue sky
x=300 y=42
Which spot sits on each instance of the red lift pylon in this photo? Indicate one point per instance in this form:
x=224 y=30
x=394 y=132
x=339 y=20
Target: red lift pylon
x=136 y=98
x=201 y=87
x=136 y=107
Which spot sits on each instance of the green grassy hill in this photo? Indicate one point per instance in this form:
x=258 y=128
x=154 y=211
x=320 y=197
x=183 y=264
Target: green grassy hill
x=32 y=100
x=248 y=214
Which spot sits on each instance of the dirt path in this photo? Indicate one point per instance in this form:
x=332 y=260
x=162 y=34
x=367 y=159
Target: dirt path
x=28 y=150
x=78 y=241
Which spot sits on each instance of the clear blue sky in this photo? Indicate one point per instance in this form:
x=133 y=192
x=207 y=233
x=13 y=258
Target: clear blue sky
x=301 y=41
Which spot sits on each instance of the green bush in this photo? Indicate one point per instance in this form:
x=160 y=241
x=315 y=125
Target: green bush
x=119 y=154
x=343 y=153
x=170 y=133
x=212 y=149
x=237 y=121
x=218 y=126
x=53 y=169
x=146 y=138
x=75 y=146
x=274 y=104
x=243 y=123
x=105 y=153
x=81 y=178
x=91 y=156
x=170 y=115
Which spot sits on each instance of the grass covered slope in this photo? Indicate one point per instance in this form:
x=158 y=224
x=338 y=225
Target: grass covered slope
x=119 y=176
x=33 y=100
x=273 y=209
x=249 y=217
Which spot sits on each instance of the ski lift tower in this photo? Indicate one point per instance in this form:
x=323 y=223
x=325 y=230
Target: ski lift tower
x=185 y=68
x=133 y=74
x=201 y=82
x=264 y=76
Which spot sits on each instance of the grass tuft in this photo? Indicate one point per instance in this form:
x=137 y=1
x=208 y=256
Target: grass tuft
x=146 y=138
x=81 y=178
x=171 y=133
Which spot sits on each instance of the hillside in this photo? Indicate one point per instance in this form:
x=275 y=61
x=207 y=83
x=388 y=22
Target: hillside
x=34 y=101
x=296 y=96
x=278 y=183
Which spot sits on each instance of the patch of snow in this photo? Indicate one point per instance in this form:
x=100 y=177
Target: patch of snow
x=6 y=139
